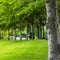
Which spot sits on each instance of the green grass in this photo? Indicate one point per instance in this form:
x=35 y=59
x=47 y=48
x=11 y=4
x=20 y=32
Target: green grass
x=24 y=50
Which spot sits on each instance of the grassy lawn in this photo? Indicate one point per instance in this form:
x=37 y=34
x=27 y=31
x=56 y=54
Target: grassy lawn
x=23 y=50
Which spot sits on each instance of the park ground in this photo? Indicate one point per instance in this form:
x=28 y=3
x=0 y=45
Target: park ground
x=23 y=50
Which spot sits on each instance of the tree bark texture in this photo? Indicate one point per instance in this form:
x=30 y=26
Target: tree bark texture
x=52 y=30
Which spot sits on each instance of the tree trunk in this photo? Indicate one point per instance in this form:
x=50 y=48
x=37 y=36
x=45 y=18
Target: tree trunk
x=32 y=32
x=58 y=33
x=8 y=34
x=2 y=35
x=15 y=34
x=39 y=29
x=26 y=31
x=46 y=35
x=52 y=30
x=20 y=31
x=43 y=32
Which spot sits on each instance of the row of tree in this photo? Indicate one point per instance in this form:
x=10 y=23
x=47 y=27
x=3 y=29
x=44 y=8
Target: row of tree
x=19 y=14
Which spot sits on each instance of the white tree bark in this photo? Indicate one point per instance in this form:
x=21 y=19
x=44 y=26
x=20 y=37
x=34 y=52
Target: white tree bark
x=52 y=30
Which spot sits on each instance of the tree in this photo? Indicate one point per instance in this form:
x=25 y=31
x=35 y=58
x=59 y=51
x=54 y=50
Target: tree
x=19 y=12
x=52 y=29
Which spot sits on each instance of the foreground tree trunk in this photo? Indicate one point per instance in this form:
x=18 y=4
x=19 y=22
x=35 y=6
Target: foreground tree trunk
x=58 y=33
x=52 y=30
